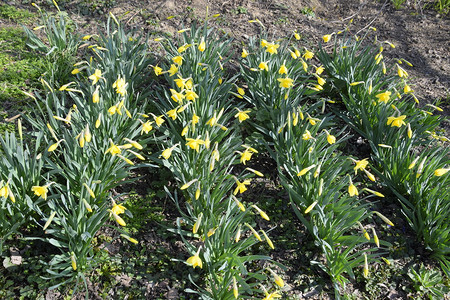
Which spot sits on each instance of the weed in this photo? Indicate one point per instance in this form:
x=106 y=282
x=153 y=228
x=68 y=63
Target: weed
x=308 y=11
x=398 y=3
x=240 y=10
x=428 y=282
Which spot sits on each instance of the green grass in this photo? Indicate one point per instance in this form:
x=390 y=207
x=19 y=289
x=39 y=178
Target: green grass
x=16 y=15
x=21 y=68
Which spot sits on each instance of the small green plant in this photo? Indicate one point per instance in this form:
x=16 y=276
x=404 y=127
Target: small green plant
x=240 y=10
x=398 y=3
x=443 y=6
x=428 y=283
x=308 y=11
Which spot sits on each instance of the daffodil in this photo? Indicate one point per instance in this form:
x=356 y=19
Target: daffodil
x=401 y=72
x=285 y=82
x=263 y=66
x=54 y=146
x=331 y=139
x=194 y=143
x=118 y=208
x=307 y=135
x=242 y=115
x=172 y=113
x=241 y=186
x=366 y=267
x=118 y=219
x=197 y=224
x=309 y=208
x=360 y=164
x=326 y=38
x=41 y=191
x=176 y=96
x=114 y=149
x=121 y=86
x=305 y=170
x=396 y=121
x=261 y=212
x=244 y=53
x=178 y=60
x=238 y=203
x=319 y=70
x=190 y=95
x=384 y=97
x=159 y=120
x=386 y=220
x=272 y=48
x=146 y=127
x=277 y=279
x=283 y=69
x=96 y=76
x=158 y=71
x=173 y=70
x=130 y=239
x=308 y=54
x=235 y=288
x=167 y=152
x=195 y=260
x=407 y=89
x=440 y=172
x=255 y=233
x=352 y=190
x=4 y=191
x=202 y=45
x=73 y=260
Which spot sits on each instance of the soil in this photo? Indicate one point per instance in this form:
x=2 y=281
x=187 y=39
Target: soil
x=421 y=36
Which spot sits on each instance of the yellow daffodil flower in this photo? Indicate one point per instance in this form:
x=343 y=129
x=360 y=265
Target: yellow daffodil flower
x=261 y=212
x=396 y=121
x=41 y=191
x=96 y=76
x=241 y=186
x=366 y=267
x=194 y=143
x=202 y=45
x=121 y=86
x=146 y=127
x=195 y=260
x=384 y=97
x=308 y=54
x=173 y=70
x=190 y=95
x=309 y=208
x=305 y=170
x=307 y=135
x=326 y=38
x=178 y=60
x=244 y=53
x=263 y=66
x=285 y=82
x=440 y=172
x=242 y=115
x=272 y=48
x=158 y=71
